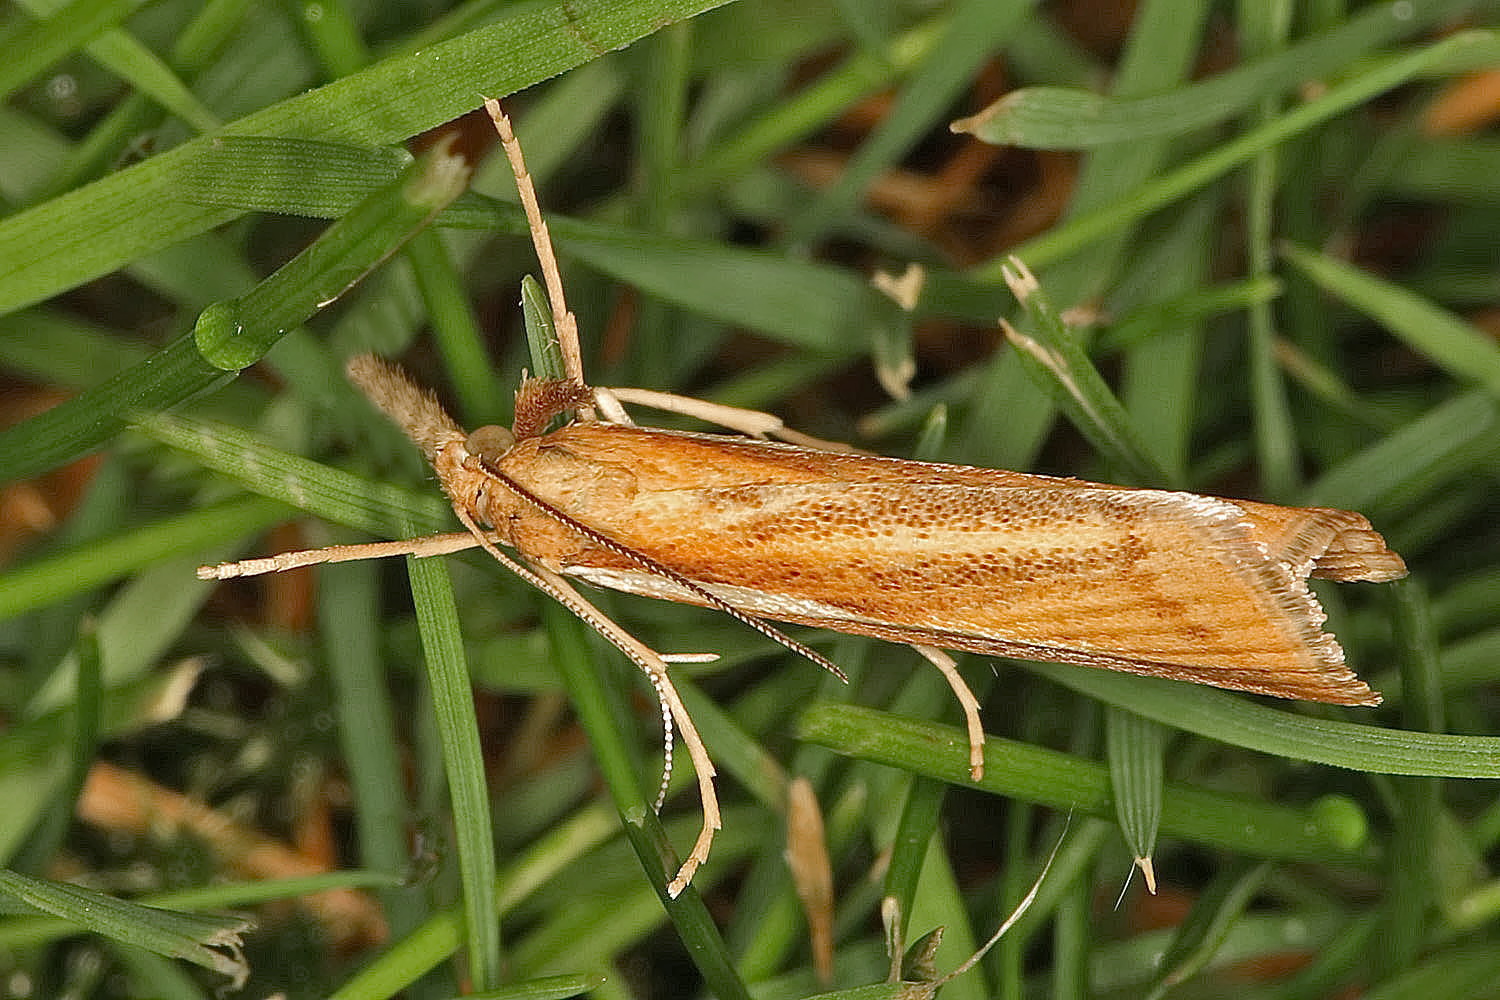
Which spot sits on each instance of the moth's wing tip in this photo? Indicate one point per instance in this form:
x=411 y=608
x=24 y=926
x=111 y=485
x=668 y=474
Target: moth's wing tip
x=1357 y=694
x=1358 y=552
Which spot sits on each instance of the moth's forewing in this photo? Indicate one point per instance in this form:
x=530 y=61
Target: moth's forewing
x=986 y=561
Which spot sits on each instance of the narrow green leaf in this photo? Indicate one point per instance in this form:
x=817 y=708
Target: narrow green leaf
x=1237 y=721
x=805 y=304
x=1452 y=54
x=1135 y=749
x=31 y=931
x=1057 y=362
x=1062 y=118
x=604 y=719
x=541 y=335
x=349 y=615
x=146 y=72
x=236 y=333
x=212 y=942
x=802 y=303
x=1453 y=973
x=914 y=838
x=375 y=507
x=74 y=572
x=544 y=988
x=976 y=29
x=129 y=214
x=1396 y=470
x=810 y=109
x=1214 y=914
x=463 y=760
x=32 y=46
x=1046 y=777
x=1432 y=332
x=232 y=334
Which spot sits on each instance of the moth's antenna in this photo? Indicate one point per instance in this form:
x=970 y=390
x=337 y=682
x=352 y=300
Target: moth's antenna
x=665 y=572
x=562 y=319
x=666 y=744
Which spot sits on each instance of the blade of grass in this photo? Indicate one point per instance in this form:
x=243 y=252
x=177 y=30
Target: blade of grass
x=463 y=761
x=1276 y=451
x=341 y=497
x=1231 y=719
x=34 y=45
x=913 y=841
x=1020 y=770
x=1401 y=469
x=1214 y=914
x=32 y=931
x=1453 y=54
x=806 y=304
x=212 y=942
x=127 y=215
x=230 y=335
x=1063 y=118
x=976 y=29
x=1450 y=343
x=348 y=613
x=98 y=563
x=602 y=718
x=1136 y=750
x=1056 y=361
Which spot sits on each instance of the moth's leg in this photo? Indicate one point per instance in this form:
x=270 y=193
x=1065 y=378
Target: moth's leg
x=966 y=700
x=655 y=668
x=562 y=319
x=610 y=408
x=433 y=545
x=752 y=422
x=708 y=798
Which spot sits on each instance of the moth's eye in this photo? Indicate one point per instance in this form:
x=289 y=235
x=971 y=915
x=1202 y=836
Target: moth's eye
x=490 y=442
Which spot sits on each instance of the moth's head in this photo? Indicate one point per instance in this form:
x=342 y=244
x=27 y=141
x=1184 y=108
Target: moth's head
x=490 y=443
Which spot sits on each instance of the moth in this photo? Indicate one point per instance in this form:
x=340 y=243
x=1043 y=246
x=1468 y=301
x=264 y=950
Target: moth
x=943 y=557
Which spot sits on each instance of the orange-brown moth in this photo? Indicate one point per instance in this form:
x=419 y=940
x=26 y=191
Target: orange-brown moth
x=1169 y=584
x=980 y=560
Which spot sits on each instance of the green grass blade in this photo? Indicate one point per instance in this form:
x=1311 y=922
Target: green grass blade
x=1436 y=447
x=212 y=942
x=32 y=46
x=1231 y=719
x=1451 y=54
x=1447 y=341
x=105 y=225
x=49 y=580
x=976 y=29
x=1056 y=361
x=1136 y=751
x=237 y=333
x=463 y=760
x=230 y=335
x=1034 y=774
x=145 y=71
x=375 y=507
x=1062 y=118
x=602 y=717
x=543 y=988
x=1214 y=915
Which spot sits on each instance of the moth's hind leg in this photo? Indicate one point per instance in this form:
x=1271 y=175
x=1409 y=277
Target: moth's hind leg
x=966 y=700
